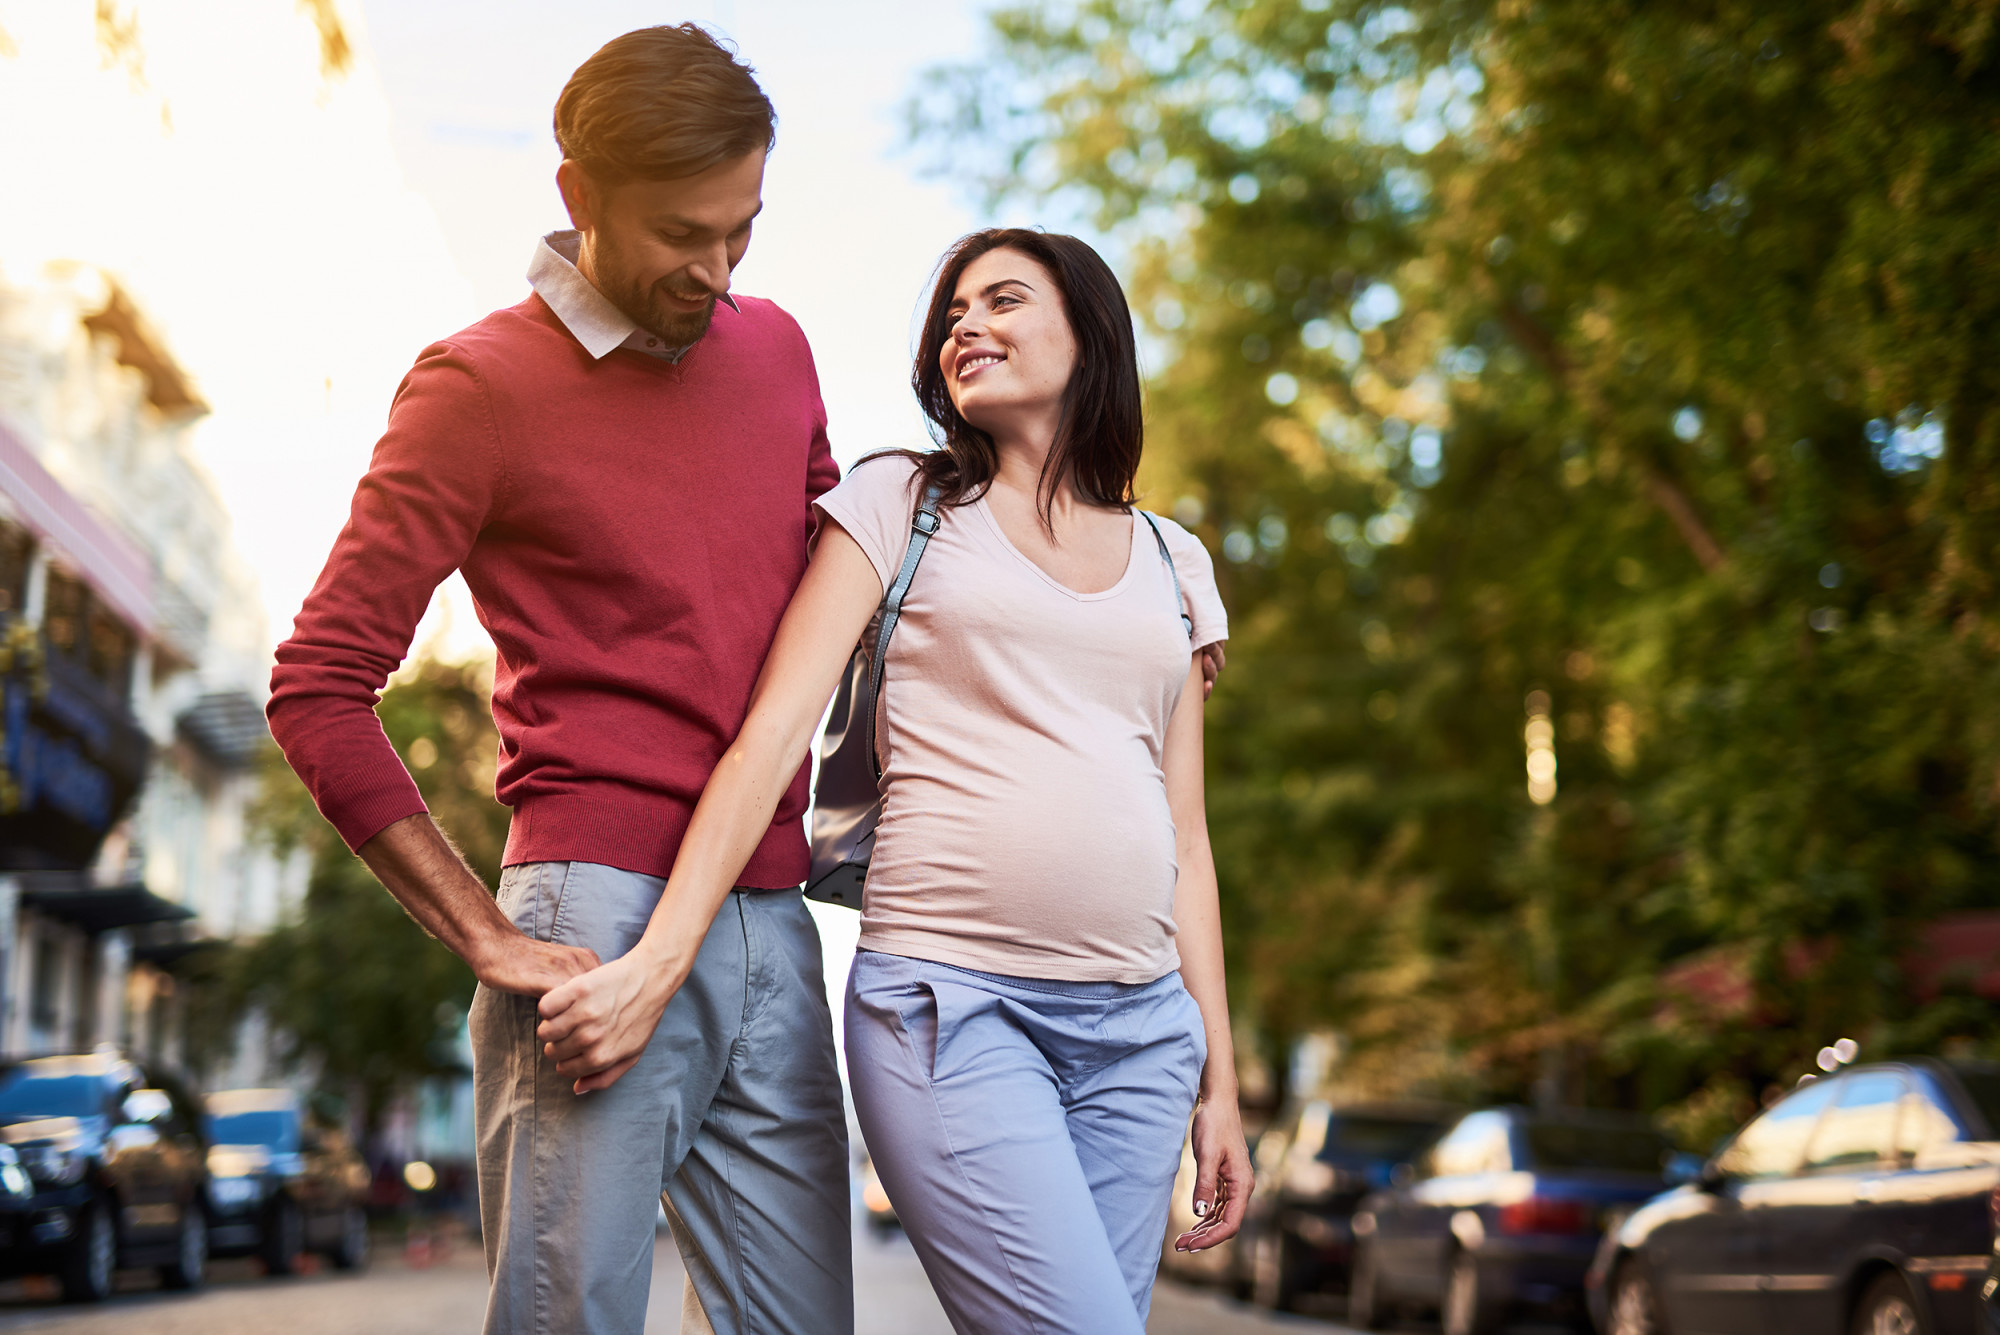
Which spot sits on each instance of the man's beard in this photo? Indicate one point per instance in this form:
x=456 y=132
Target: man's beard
x=642 y=305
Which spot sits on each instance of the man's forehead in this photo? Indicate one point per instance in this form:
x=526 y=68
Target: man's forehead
x=724 y=197
x=725 y=214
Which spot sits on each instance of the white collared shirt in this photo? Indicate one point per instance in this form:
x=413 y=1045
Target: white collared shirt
x=587 y=313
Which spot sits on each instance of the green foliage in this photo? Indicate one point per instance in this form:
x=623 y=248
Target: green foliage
x=1639 y=356
x=355 y=989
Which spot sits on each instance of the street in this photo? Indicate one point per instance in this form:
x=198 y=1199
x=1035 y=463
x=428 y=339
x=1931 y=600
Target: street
x=395 y=1297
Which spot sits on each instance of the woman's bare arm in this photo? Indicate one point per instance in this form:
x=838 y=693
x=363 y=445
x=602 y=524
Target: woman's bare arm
x=1222 y=1158
x=596 y=1026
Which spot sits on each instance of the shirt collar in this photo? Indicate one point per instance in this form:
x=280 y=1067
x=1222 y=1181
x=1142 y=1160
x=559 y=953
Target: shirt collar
x=587 y=313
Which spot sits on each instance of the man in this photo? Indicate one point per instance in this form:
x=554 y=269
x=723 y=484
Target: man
x=623 y=469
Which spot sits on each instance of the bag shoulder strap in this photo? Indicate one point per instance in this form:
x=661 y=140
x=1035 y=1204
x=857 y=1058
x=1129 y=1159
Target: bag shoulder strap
x=922 y=525
x=1180 y=601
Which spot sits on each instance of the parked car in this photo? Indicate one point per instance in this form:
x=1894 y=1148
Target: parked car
x=1501 y=1215
x=1298 y=1233
x=281 y=1184
x=17 y=1199
x=119 y=1170
x=1859 y=1202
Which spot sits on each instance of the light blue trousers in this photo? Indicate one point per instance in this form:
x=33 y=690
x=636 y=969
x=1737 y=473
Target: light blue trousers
x=733 y=1114
x=1027 y=1132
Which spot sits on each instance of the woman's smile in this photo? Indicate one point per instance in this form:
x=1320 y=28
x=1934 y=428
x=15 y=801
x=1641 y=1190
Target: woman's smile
x=972 y=361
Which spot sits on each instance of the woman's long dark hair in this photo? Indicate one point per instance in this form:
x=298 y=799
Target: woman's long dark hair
x=1097 y=446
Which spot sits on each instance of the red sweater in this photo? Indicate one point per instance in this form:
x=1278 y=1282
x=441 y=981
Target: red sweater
x=631 y=531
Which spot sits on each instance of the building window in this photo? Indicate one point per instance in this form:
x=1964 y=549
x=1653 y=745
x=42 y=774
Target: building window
x=16 y=547
x=45 y=996
x=87 y=632
x=111 y=646
x=63 y=615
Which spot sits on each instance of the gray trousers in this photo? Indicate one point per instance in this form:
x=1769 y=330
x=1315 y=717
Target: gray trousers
x=733 y=1115
x=1028 y=1133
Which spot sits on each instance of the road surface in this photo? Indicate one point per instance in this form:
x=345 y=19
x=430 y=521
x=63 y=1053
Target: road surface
x=404 y=1294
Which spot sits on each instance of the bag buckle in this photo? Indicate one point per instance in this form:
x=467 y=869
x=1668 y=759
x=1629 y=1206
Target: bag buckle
x=926 y=523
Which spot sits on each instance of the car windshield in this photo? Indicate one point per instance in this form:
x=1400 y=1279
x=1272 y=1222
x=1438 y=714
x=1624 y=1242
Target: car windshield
x=25 y=1095
x=274 y=1130
x=1573 y=1145
x=1376 y=1138
x=1984 y=1086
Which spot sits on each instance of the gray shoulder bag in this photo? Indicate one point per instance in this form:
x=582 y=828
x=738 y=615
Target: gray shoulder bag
x=847 y=800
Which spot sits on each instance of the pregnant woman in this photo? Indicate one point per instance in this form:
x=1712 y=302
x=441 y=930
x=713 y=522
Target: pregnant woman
x=1038 y=1001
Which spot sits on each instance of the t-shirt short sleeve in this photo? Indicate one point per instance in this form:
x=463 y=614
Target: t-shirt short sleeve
x=1197 y=576
x=874 y=503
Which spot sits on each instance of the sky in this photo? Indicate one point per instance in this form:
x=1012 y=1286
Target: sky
x=299 y=240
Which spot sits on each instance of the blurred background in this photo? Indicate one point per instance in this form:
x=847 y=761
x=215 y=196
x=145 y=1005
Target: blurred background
x=1593 y=410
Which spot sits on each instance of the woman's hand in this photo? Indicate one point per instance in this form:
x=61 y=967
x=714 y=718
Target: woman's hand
x=597 y=1025
x=1223 y=1175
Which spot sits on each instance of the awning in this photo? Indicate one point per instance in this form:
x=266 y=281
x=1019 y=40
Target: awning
x=226 y=726
x=111 y=563
x=165 y=944
x=97 y=908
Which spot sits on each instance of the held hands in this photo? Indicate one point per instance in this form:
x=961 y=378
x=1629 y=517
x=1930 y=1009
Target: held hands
x=1222 y=1175
x=596 y=1026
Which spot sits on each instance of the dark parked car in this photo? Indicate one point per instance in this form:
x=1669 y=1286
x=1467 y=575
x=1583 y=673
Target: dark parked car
x=1860 y=1202
x=1502 y=1215
x=17 y=1199
x=119 y=1171
x=280 y=1183
x=1298 y=1233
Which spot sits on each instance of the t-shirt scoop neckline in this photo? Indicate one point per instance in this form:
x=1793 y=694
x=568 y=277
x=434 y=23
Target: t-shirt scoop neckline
x=1124 y=577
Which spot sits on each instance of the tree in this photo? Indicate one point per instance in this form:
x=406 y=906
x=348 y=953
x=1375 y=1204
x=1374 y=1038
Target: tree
x=356 y=991
x=1627 y=366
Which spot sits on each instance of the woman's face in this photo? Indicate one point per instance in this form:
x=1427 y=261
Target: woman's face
x=1010 y=351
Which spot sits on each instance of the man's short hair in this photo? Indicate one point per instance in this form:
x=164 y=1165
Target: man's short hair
x=660 y=104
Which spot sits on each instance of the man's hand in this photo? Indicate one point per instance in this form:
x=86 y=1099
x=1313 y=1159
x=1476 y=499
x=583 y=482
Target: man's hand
x=520 y=964
x=1223 y=1175
x=431 y=881
x=1213 y=660
x=594 y=1027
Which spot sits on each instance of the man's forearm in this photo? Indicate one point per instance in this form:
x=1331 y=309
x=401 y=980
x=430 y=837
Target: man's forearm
x=418 y=865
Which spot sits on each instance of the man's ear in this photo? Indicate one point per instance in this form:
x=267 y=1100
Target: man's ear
x=580 y=195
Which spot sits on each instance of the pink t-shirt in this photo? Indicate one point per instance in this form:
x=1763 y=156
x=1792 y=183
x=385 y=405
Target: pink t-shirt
x=1025 y=827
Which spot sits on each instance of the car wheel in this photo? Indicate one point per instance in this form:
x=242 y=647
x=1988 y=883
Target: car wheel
x=92 y=1262
x=1274 y=1274
x=190 y=1264
x=351 y=1253
x=1888 y=1308
x=1634 y=1308
x=1365 y=1307
x=284 y=1237
x=1468 y=1308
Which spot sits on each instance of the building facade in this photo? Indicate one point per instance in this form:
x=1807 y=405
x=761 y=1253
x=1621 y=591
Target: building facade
x=132 y=668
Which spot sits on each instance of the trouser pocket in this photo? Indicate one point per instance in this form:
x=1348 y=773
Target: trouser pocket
x=531 y=896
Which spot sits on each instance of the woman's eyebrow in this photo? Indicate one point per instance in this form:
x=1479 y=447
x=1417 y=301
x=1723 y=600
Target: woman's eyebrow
x=991 y=288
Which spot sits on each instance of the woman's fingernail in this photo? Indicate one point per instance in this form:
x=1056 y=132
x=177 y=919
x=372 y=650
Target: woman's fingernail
x=1201 y=1208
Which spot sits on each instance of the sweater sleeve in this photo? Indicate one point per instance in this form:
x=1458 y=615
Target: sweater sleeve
x=434 y=479
x=822 y=473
